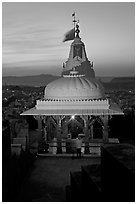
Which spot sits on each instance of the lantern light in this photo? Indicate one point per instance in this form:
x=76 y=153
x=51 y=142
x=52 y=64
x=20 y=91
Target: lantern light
x=73 y=117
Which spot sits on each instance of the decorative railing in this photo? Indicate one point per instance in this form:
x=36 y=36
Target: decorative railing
x=56 y=147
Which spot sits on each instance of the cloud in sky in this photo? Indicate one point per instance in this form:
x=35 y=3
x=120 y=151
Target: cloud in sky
x=33 y=32
x=33 y=42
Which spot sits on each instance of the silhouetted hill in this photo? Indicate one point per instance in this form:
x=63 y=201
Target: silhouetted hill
x=43 y=80
x=121 y=83
x=123 y=80
x=104 y=79
x=37 y=80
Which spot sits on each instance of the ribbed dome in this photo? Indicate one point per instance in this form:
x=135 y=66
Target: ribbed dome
x=74 y=88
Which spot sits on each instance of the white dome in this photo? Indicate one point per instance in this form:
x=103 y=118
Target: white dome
x=74 y=88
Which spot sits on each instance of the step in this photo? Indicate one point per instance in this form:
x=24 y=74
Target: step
x=91 y=183
x=76 y=186
x=68 y=193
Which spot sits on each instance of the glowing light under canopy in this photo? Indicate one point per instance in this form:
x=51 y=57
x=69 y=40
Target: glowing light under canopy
x=73 y=117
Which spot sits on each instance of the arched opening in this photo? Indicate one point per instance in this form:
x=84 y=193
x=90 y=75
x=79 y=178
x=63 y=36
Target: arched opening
x=75 y=127
x=97 y=130
x=33 y=123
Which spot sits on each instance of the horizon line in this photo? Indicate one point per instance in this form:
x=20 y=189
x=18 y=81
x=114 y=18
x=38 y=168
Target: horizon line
x=60 y=75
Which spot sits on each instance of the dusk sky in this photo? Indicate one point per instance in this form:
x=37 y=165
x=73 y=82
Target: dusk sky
x=32 y=35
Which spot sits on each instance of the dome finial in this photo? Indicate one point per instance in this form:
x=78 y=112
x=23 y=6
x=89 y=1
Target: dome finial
x=77 y=30
x=76 y=25
x=74 y=20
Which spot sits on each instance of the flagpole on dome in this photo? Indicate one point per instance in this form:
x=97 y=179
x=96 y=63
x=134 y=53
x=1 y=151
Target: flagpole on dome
x=74 y=20
x=70 y=35
x=76 y=25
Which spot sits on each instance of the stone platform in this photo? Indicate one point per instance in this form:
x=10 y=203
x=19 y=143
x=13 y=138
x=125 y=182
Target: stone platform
x=111 y=181
x=68 y=155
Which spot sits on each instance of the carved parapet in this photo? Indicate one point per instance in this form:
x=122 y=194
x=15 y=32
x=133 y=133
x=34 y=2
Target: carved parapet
x=73 y=103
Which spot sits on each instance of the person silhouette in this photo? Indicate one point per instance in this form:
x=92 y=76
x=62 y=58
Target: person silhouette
x=78 y=146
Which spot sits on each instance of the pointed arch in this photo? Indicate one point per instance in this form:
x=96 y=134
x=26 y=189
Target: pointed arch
x=64 y=121
x=94 y=119
x=97 y=130
x=96 y=126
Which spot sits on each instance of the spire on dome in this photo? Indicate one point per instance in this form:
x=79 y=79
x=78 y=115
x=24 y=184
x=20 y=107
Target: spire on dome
x=74 y=20
x=77 y=55
x=77 y=30
x=76 y=25
x=70 y=35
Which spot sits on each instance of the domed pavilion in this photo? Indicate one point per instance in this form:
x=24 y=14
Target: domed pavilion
x=75 y=104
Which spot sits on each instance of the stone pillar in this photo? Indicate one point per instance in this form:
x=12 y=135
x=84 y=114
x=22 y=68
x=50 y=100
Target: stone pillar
x=44 y=129
x=86 y=125
x=91 y=131
x=40 y=140
x=39 y=124
x=66 y=131
x=58 y=128
x=59 y=148
x=105 y=129
x=86 y=128
x=45 y=133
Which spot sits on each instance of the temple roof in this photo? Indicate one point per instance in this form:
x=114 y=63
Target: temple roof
x=74 y=87
x=112 y=110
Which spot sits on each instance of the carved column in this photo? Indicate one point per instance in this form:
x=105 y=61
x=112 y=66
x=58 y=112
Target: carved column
x=58 y=133
x=40 y=132
x=86 y=125
x=39 y=120
x=45 y=133
x=105 y=129
x=58 y=126
x=45 y=129
x=91 y=131
x=39 y=124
